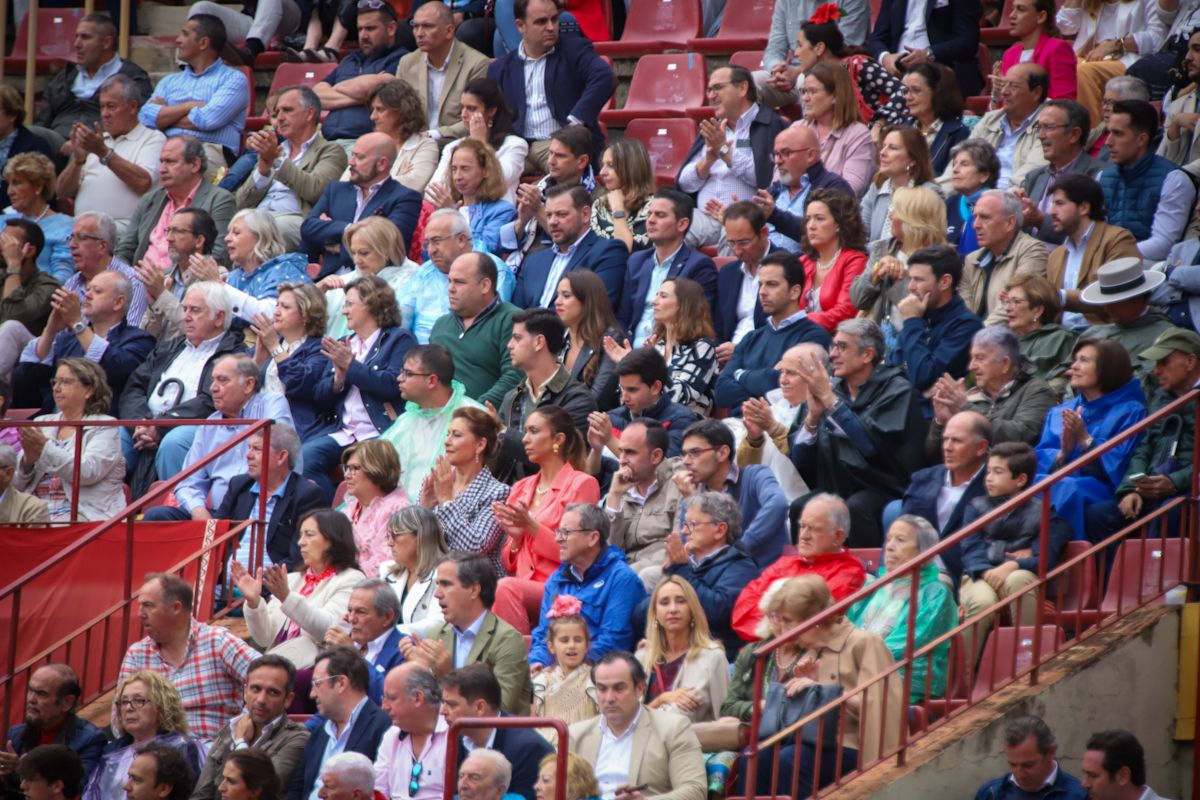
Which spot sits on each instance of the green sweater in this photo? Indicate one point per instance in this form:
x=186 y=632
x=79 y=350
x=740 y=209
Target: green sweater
x=481 y=361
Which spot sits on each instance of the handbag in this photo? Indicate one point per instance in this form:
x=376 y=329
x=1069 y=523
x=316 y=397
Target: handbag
x=781 y=711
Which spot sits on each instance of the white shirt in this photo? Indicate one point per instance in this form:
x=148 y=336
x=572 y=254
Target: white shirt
x=557 y=267
x=187 y=367
x=539 y=121
x=949 y=495
x=436 y=80
x=1074 y=262
x=614 y=757
x=280 y=198
x=99 y=187
x=658 y=274
x=915 y=33
x=747 y=298
x=376 y=645
x=724 y=181
x=470 y=745
x=465 y=640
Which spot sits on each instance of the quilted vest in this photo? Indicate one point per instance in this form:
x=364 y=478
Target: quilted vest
x=1131 y=193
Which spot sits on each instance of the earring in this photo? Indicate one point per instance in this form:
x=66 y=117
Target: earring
x=555 y=448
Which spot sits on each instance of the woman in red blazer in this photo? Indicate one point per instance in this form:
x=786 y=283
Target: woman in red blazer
x=1032 y=25
x=533 y=511
x=834 y=243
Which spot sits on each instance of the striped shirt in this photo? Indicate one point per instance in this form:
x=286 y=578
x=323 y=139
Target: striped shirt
x=539 y=119
x=137 y=304
x=725 y=180
x=226 y=98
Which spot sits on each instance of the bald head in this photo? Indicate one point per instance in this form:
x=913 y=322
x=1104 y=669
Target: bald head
x=371 y=158
x=796 y=149
x=965 y=443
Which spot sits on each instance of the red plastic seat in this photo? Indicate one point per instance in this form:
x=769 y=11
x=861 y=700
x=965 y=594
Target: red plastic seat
x=55 y=45
x=958 y=681
x=746 y=29
x=339 y=494
x=17 y=414
x=750 y=59
x=1076 y=604
x=662 y=86
x=667 y=141
x=1009 y=652
x=291 y=75
x=999 y=35
x=724 y=261
x=978 y=104
x=1144 y=568
x=656 y=26
x=871 y=557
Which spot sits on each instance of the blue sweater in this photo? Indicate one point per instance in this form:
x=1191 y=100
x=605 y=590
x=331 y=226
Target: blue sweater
x=935 y=344
x=675 y=418
x=764 y=513
x=751 y=369
x=1065 y=787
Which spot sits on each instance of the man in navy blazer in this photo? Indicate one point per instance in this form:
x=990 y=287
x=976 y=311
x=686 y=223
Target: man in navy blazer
x=371 y=191
x=667 y=224
x=575 y=82
x=739 y=310
x=799 y=158
x=372 y=612
x=340 y=682
x=951 y=38
x=575 y=246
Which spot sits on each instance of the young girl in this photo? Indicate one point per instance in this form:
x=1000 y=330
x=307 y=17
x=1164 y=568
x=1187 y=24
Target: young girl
x=565 y=691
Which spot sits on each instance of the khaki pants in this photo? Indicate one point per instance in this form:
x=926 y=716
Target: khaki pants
x=976 y=596
x=1091 y=77
x=537 y=161
x=769 y=96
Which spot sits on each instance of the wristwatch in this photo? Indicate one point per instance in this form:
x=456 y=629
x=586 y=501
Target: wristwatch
x=107 y=157
x=79 y=327
x=619 y=215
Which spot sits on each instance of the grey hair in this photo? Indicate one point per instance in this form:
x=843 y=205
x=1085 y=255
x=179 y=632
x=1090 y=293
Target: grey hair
x=8 y=456
x=1010 y=205
x=720 y=507
x=1129 y=87
x=355 y=769
x=421 y=679
x=269 y=242
x=384 y=597
x=983 y=157
x=927 y=535
x=866 y=334
x=1003 y=340
x=308 y=99
x=122 y=286
x=105 y=226
x=821 y=353
x=193 y=150
x=458 y=225
x=836 y=508
x=246 y=369
x=1018 y=730
x=500 y=764
x=592 y=518
x=431 y=540
x=285 y=439
x=215 y=298
x=124 y=86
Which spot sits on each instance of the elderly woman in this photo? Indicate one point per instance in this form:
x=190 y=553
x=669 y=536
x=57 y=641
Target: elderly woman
x=373 y=494
x=289 y=346
x=47 y=465
x=1032 y=305
x=974 y=168
x=581 y=778
x=687 y=669
x=30 y=187
x=1108 y=400
x=376 y=247
x=147 y=710
x=418 y=546
x=398 y=111
x=932 y=96
x=488 y=119
x=476 y=188
x=260 y=263
x=305 y=603
x=831 y=111
x=12 y=119
x=833 y=244
x=358 y=396
x=620 y=211
x=903 y=162
x=885 y=612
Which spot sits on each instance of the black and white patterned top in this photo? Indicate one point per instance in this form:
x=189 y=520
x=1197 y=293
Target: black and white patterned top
x=874 y=84
x=468 y=522
x=693 y=368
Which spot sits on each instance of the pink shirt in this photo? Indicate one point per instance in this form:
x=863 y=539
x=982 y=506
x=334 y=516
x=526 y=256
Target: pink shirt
x=1057 y=57
x=370 y=528
x=395 y=759
x=157 y=249
x=356 y=422
x=849 y=152
x=538 y=555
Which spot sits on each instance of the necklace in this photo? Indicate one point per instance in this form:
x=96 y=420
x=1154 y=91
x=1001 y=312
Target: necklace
x=45 y=211
x=823 y=265
x=541 y=490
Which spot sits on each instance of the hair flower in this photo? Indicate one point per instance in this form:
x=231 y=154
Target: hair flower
x=826 y=12
x=565 y=605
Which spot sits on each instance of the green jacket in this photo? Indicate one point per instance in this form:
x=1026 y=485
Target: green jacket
x=1050 y=349
x=1136 y=338
x=1017 y=414
x=1155 y=447
x=739 y=702
x=481 y=360
x=503 y=649
x=30 y=303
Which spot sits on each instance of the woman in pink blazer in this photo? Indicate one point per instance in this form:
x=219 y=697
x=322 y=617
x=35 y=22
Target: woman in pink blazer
x=1032 y=25
x=833 y=243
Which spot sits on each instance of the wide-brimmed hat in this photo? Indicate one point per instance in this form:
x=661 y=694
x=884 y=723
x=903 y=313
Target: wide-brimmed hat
x=1119 y=280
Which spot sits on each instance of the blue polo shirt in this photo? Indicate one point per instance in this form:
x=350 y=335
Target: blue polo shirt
x=352 y=122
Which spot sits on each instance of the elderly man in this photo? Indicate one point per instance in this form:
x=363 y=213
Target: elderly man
x=26 y=291
x=466 y=591
x=290 y=174
x=371 y=191
x=1005 y=251
x=93 y=240
x=1030 y=749
x=350 y=735
x=16 y=507
x=113 y=167
x=1121 y=294
x=486 y=775
x=797 y=158
x=550 y=81
x=1006 y=391
x=1077 y=212
x=638 y=751
x=1114 y=767
x=1144 y=192
x=594 y=571
x=1122 y=87
x=478 y=329
x=263 y=724
x=208 y=99
x=1062 y=130
x=858 y=438
x=191 y=232
x=439 y=69
x=74 y=95
x=159 y=772
x=206 y=664
x=236 y=394
x=372 y=614
x=50 y=701
x=181 y=167
x=412 y=756
x=825 y=524
x=731 y=154
x=474 y=692
x=1011 y=129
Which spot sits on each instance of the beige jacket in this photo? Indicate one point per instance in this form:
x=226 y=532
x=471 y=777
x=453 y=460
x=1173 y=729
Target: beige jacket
x=19 y=508
x=665 y=754
x=320 y=165
x=1025 y=254
x=465 y=66
x=707 y=674
x=314 y=614
x=1027 y=155
x=1185 y=149
x=641 y=530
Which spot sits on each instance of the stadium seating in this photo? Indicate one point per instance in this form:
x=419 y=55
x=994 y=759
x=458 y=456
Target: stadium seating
x=750 y=59
x=55 y=45
x=744 y=26
x=1141 y=566
x=999 y=35
x=1008 y=652
x=655 y=26
x=662 y=87
x=667 y=141
x=291 y=75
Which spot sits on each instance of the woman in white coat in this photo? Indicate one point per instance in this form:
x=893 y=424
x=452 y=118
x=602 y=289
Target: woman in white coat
x=307 y=602
x=47 y=464
x=418 y=546
x=687 y=670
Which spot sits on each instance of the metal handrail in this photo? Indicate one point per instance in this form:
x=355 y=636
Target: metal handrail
x=450 y=784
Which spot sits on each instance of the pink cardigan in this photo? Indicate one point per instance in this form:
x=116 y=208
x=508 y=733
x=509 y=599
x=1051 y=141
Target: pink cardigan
x=538 y=555
x=835 y=290
x=849 y=152
x=1058 y=58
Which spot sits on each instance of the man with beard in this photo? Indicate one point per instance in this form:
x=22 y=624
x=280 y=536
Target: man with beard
x=1180 y=143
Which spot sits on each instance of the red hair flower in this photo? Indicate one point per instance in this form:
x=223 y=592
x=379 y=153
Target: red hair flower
x=565 y=605
x=827 y=12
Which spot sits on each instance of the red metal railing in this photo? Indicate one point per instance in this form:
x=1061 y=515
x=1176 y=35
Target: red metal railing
x=450 y=786
x=79 y=647
x=901 y=724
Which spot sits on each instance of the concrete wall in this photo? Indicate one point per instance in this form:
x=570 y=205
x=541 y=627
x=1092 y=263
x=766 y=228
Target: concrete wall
x=1132 y=687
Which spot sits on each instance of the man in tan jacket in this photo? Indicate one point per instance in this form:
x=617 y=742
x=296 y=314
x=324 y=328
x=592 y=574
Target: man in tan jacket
x=1005 y=252
x=17 y=508
x=439 y=69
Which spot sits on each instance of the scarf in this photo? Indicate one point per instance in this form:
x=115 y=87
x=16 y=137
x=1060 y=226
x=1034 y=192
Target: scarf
x=311 y=582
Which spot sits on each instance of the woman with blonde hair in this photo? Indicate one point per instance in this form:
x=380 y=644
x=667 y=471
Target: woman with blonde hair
x=289 y=346
x=581 y=778
x=418 y=546
x=376 y=247
x=621 y=209
x=260 y=263
x=29 y=183
x=831 y=110
x=373 y=494
x=147 y=709
x=476 y=188
x=686 y=667
x=397 y=110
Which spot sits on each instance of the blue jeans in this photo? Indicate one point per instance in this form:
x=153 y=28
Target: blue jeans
x=172 y=451
x=320 y=456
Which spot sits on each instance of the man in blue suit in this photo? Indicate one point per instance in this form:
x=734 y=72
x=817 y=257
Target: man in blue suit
x=575 y=246
x=738 y=309
x=950 y=36
x=667 y=224
x=370 y=191
x=340 y=682
x=373 y=613
x=571 y=83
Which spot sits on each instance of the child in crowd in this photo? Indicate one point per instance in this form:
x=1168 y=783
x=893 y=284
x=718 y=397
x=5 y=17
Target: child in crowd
x=565 y=690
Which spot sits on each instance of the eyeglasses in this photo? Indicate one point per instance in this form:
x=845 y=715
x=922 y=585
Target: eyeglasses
x=56 y=382
x=688 y=527
x=716 y=87
x=348 y=469
x=405 y=374
x=85 y=237
x=394 y=535
x=133 y=702
x=561 y=534
x=179 y=231
x=695 y=452
x=435 y=240
x=414 y=782
x=839 y=347
x=319 y=681
x=787 y=152
x=1038 y=127
x=738 y=244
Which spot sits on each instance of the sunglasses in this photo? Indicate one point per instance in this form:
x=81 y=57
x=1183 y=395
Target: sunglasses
x=414 y=781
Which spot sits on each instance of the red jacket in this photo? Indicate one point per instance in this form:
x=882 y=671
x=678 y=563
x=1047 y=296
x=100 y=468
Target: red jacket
x=843 y=572
x=1057 y=57
x=835 y=289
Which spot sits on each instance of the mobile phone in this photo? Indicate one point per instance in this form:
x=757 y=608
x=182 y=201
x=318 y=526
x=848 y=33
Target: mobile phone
x=1138 y=476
